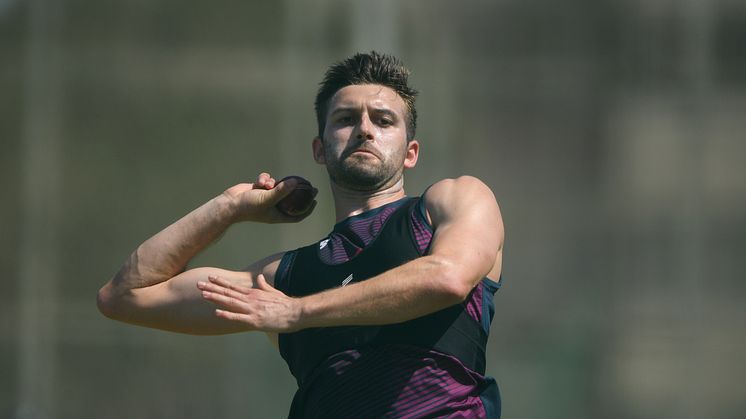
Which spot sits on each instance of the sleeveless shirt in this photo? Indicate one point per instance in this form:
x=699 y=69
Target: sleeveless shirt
x=430 y=366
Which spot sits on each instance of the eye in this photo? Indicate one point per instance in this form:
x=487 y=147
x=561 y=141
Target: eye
x=345 y=119
x=386 y=122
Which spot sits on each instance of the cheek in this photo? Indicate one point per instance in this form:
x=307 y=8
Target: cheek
x=396 y=142
x=333 y=149
x=394 y=134
x=338 y=136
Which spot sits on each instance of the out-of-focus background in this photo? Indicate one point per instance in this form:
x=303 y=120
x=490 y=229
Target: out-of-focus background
x=612 y=133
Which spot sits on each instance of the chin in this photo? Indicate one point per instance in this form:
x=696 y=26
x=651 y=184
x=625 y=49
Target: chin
x=361 y=175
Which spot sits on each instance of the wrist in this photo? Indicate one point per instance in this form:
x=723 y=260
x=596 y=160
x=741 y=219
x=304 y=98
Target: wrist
x=301 y=315
x=226 y=209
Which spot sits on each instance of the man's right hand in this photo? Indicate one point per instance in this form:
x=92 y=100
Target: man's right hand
x=256 y=201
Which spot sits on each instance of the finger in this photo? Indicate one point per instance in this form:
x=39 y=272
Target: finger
x=289 y=181
x=222 y=282
x=236 y=317
x=225 y=291
x=271 y=182
x=219 y=289
x=281 y=190
x=262 y=180
x=219 y=298
x=225 y=302
x=227 y=284
x=262 y=284
x=210 y=286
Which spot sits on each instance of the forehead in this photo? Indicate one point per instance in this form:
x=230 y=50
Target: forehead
x=372 y=95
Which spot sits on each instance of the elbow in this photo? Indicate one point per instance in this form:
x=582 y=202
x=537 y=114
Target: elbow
x=455 y=284
x=104 y=302
x=107 y=302
x=458 y=291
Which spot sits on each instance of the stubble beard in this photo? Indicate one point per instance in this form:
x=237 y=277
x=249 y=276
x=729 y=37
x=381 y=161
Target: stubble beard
x=360 y=174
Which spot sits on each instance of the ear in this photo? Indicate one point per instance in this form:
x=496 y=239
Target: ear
x=413 y=151
x=318 y=150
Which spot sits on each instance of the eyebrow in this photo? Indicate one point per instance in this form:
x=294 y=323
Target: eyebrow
x=385 y=111
x=343 y=109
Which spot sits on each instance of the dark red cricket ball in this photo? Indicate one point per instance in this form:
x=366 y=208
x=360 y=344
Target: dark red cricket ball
x=300 y=200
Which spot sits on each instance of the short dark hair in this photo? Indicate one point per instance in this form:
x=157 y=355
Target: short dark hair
x=367 y=68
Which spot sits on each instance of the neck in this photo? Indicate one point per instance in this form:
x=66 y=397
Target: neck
x=349 y=202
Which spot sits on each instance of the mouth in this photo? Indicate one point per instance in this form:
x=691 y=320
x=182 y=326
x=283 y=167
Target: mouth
x=365 y=151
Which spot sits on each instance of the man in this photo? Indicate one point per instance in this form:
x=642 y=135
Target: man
x=388 y=315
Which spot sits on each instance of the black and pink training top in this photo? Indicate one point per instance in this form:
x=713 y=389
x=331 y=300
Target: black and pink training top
x=432 y=366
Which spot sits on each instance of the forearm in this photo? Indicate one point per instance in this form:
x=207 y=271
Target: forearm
x=412 y=290
x=168 y=252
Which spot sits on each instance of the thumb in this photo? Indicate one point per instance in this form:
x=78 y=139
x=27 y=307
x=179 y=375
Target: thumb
x=281 y=190
x=262 y=284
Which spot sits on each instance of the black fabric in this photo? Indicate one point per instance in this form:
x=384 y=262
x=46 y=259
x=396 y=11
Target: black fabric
x=451 y=330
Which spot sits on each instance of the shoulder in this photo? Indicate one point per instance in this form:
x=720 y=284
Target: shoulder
x=462 y=186
x=459 y=196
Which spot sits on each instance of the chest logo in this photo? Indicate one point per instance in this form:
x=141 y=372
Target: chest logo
x=347 y=280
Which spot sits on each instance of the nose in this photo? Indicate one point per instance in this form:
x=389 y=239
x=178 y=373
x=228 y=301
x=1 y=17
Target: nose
x=365 y=128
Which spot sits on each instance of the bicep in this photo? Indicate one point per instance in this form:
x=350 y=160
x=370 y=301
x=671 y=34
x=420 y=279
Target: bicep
x=468 y=229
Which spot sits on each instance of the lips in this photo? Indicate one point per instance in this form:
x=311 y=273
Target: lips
x=367 y=151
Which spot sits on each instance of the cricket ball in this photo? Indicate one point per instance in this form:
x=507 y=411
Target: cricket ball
x=300 y=200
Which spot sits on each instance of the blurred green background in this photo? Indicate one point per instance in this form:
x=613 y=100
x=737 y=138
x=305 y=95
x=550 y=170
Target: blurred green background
x=612 y=133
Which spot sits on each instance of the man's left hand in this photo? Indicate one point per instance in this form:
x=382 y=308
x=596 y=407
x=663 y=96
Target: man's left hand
x=262 y=308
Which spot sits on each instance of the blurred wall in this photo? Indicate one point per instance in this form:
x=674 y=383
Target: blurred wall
x=612 y=133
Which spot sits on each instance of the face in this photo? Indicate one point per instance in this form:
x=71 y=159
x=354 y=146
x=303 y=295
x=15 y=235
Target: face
x=365 y=144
